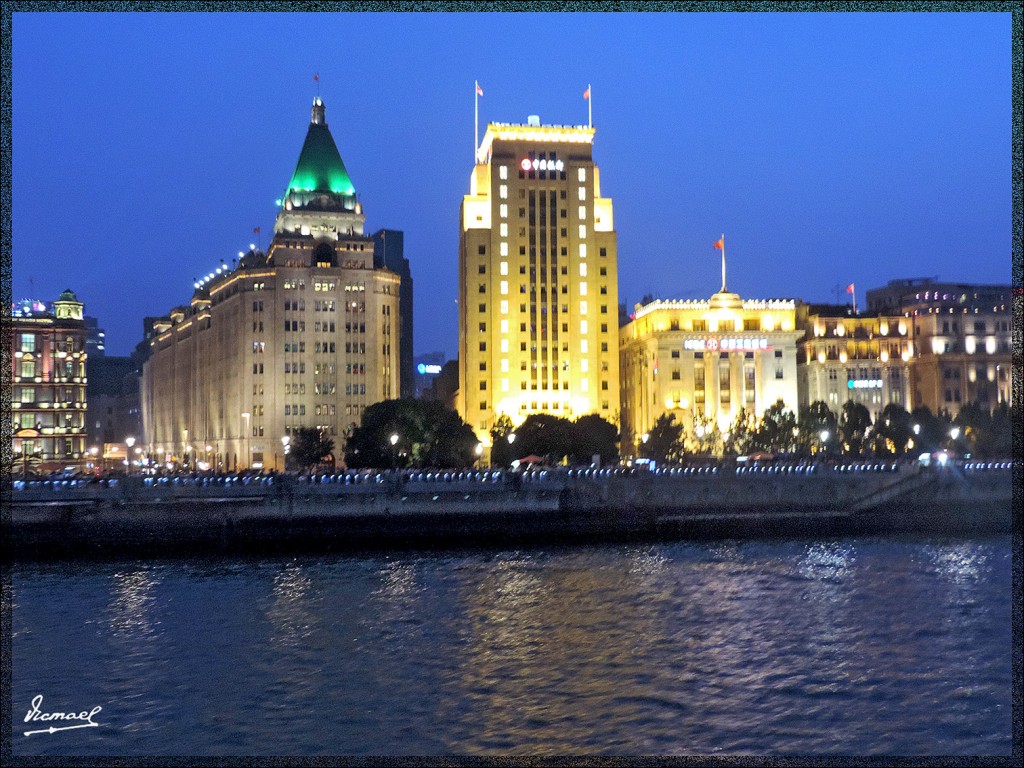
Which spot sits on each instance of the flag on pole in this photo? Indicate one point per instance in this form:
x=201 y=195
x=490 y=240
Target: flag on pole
x=720 y=244
x=586 y=93
x=479 y=90
x=849 y=288
x=255 y=230
x=316 y=78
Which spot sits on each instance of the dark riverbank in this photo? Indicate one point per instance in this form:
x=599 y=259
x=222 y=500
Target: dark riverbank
x=335 y=513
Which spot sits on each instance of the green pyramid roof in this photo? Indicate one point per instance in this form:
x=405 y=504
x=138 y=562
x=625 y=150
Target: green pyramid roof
x=320 y=168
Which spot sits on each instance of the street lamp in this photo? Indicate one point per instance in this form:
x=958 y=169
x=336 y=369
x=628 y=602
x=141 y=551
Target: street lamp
x=511 y=437
x=285 y=445
x=130 y=442
x=394 y=452
x=954 y=433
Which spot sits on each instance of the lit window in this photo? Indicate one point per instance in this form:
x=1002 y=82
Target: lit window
x=503 y=249
x=503 y=191
x=503 y=229
x=583 y=211
x=583 y=326
x=503 y=268
x=504 y=385
x=583 y=307
x=28 y=342
x=504 y=326
x=584 y=346
x=503 y=172
x=584 y=365
x=504 y=365
x=503 y=210
x=583 y=270
x=583 y=250
x=504 y=307
x=504 y=345
x=581 y=174
x=583 y=193
x=504 y=287
x=583 y=230
x=583 y=289
x=584 y=385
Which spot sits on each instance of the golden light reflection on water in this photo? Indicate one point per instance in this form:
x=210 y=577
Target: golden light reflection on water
x=129 y=613
x=542 y=641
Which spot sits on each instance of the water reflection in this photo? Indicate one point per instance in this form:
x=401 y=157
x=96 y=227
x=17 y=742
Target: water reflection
x=549 y=649
x=292 y=610
x=959 y=562
x=129 y=613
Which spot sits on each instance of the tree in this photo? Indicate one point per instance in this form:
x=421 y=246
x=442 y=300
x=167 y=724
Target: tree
x=892 y=431
x=544 y=435
x=815 y=420
x=427 y=434
x=308 y=447
x=664 y=442
x=738 y=440
x=776 y=430
x=592 y=435
x=854 y=423
x=502 y=451
x=706 y=437
x=930 y=430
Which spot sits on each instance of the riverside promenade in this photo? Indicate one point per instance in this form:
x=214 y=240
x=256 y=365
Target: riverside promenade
x=191 y=514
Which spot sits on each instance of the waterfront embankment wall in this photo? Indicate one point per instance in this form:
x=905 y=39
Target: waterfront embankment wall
x=291 y=513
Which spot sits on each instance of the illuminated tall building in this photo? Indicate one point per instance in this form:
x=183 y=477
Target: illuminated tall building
x=305 y=335
x=538 y=293
x=48 y=397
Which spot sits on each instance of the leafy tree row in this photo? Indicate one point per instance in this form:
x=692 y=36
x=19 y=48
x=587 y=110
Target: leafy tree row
x=819 y=430
x=554 y=438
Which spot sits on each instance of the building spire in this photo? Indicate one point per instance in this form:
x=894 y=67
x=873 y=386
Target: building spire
x=318 y=112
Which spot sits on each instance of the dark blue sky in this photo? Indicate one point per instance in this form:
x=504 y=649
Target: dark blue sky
x=829 y=149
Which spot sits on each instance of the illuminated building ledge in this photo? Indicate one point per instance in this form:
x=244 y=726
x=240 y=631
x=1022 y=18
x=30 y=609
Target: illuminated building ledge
x=565 y=134
x=704 y=304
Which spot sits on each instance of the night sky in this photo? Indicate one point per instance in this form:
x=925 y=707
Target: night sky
x=829 y=149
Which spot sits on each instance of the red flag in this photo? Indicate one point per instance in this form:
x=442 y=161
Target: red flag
x=720 y=244
x=255 y=230
x=479 y=90
x=849 y=288
x=586 y=93
x=316 y=78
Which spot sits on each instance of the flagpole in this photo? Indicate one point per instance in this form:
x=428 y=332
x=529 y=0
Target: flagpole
x=476 y=119
x=590 y=106
x=854 y=292
x=723 y=262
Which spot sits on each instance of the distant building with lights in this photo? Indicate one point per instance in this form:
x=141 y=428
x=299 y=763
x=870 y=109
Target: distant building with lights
x=304 y=335
x=705 y=361
x=962 y=340
x=428 y=367
x=864 y=358
x=48 y=393
x=538 y=294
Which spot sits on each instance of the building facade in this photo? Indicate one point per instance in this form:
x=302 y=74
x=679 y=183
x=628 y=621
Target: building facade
x=705 y=362
x=864 y=358
x=962 y=340
x=48 y=394
x=304 y=335
x=389 y=253
x=538 y=291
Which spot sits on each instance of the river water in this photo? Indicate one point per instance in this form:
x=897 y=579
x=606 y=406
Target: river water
x=860 y=646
